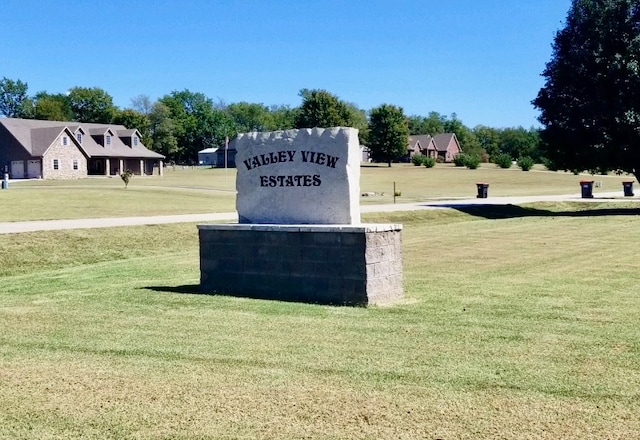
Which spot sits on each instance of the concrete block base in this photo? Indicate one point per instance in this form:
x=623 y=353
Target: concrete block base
x=327 y=264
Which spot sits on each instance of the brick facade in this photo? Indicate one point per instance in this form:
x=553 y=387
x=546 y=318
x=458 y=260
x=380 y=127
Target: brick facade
x=31 y=148
x=65 y=155
x=351 y=265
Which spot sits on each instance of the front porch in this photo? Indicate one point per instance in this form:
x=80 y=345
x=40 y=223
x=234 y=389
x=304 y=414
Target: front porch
x=105 y=166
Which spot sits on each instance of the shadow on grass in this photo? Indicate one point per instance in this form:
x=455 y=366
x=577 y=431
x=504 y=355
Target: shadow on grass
x=189 y=289
x=496 y=212
x=194 y=289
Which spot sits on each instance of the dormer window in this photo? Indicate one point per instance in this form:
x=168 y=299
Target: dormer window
x=108 y=139
x=79 y=137
x=135 y=140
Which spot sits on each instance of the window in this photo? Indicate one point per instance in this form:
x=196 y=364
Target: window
x=75 y=164
x=79 y=137
x=65 y=140
x=108 y=139
x=135 y=140
x=56 y=164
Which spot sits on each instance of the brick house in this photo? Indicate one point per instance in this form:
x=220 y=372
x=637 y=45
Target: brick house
x=447 y=146
x=32 y=148
x=444 y=146
x=421 y=144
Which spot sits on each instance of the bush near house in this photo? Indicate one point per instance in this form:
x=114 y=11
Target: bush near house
x=429 y=162
x=418 y=159
x=460 y=160
x=503 y=160
x=526 y=163
x=126 y=176
x=472 y=162
x=466 y=160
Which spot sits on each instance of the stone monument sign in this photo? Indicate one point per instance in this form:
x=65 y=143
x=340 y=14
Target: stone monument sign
x=305 y=176
x=300 y=236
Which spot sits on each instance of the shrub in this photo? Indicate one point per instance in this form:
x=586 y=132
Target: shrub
x=126 y=176
x=460 y=160
x=472 y=162
x=429 y=162
x=418 y=159
x=526 y=163
x=503 y=160
x=549 y=164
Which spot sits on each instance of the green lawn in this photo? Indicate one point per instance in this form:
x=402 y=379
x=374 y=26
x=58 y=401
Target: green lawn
x=517 y=323
x=202 y=190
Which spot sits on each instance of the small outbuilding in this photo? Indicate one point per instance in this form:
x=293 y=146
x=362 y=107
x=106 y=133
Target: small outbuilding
x=226 y=156
x=208 y=156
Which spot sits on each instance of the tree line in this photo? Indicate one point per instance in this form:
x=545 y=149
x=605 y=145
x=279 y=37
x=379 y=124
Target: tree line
x=181 y=123
x=589 y=107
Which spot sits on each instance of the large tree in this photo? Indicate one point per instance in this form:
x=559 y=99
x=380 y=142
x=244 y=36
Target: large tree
x=13 y=98
x=52 y=107
x=590 y=102
x=249 y=117
x=519 y=142
x=162 y=130
x=388 y=133
x=198 y=125
x=322 y=109
x=91 y=105
x=142 y=104
x=489 y=140
x=282 y=117
x=431 y=125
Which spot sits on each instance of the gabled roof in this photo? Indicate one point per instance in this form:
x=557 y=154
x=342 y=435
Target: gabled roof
x=42 y=138
x=420 y=142
x=33 y=134
x=100 y=131
x=443 y=140
x=128 y=132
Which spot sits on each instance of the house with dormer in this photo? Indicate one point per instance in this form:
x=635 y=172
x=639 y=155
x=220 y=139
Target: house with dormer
x=32 y=148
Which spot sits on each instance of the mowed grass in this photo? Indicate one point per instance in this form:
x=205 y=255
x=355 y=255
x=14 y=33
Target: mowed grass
x=180 y=191
x=445 y=181
x=200 y=190
x=516 y=323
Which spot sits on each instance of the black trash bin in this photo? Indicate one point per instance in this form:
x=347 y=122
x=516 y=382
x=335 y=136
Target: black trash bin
x=483 y=190
x=628 y=188
x=587 y=189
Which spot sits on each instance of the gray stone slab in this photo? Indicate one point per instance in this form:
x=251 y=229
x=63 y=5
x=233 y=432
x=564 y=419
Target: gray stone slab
x=305 y=176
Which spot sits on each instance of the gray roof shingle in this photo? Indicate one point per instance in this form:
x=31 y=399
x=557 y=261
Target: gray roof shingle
x=36 y=136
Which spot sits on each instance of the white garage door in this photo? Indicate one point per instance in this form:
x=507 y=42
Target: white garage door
x=17 y=169
x=33 y=169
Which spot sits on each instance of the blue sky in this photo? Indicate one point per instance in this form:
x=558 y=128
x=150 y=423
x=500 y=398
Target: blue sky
x=479 y=59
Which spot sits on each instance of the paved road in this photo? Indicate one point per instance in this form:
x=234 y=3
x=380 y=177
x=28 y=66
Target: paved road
x=51 y=225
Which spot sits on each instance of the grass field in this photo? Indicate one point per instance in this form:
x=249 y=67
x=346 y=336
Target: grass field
x=518 y=322
x=201 y=190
